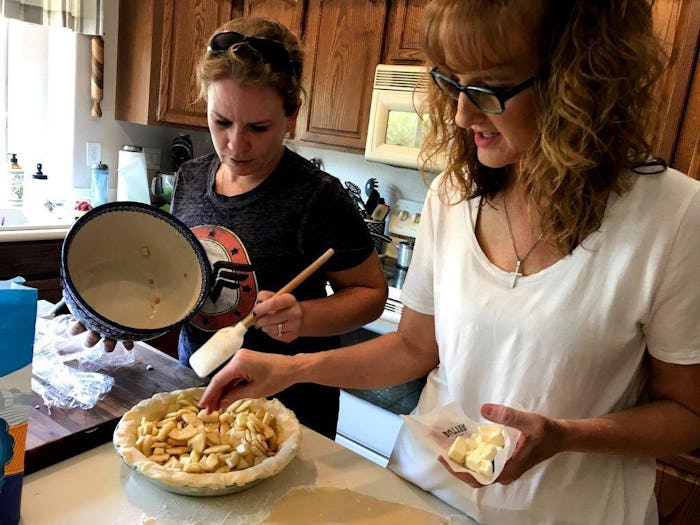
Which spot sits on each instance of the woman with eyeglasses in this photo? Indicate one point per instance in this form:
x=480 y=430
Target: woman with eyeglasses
x=552 y=287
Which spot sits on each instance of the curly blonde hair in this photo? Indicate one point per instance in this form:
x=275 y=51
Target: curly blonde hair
x=595 y=95
x=247 y=70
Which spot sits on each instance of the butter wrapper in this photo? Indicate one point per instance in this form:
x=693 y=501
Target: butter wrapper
x=438 y=429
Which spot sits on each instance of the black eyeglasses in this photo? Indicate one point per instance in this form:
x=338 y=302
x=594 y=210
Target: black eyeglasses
x=257 y=47
x=486 y=99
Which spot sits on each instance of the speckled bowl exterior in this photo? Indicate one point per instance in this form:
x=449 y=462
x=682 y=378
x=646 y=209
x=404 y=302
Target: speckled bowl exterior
x=141 y=220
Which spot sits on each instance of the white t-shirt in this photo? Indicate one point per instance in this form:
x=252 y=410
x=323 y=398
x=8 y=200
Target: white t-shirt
x=566 y=342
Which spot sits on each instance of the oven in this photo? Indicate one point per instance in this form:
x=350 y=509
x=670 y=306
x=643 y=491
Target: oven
x=370 y=420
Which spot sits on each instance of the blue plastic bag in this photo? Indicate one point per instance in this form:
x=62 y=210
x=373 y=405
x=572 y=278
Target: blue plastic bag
x=17 y=321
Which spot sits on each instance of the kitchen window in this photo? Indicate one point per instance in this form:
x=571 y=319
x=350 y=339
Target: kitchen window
x=37 y=97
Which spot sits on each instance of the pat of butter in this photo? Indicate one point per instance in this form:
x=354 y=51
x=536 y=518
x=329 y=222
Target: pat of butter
x=478 y=451
x=486 y=451
x=491 y=434
x=458 y=450
x=481 y=466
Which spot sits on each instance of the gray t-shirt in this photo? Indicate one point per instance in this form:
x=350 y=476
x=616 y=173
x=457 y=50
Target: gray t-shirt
x=261 y=239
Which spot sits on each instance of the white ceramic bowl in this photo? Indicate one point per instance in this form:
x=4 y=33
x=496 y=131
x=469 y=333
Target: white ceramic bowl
x=132 y=272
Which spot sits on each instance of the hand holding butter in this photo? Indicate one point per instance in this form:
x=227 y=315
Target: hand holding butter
x=477 y=448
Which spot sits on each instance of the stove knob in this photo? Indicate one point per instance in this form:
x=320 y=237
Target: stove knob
x=416 y=218
x=403 y=215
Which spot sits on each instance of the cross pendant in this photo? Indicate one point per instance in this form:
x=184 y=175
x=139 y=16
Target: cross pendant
x=516 y=273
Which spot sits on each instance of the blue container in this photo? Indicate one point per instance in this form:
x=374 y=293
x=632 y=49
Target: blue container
x=18 y=307
x=99 y=184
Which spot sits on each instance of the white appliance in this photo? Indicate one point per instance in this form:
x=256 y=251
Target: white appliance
x=365 y=425
x=132 y=175
x=395 y=130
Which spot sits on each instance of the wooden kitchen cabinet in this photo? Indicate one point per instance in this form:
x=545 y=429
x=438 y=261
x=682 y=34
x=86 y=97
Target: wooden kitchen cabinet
x=288 y=12
x=38 y=262
x=677 y=139
x=343 y=44
x=402 y=39
x=187 y=26
x=160 y=42
x=344 y=40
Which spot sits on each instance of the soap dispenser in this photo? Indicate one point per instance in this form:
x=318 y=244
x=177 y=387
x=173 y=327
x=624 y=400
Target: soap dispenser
x=37 y=191
x=16 y=174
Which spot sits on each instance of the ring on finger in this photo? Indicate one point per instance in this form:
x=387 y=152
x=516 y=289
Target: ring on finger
x=279 y=329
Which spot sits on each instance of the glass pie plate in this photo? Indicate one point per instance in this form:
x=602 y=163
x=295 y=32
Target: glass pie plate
x=204 y=484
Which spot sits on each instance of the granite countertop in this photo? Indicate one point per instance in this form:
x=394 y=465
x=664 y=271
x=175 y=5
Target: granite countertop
x=399 y=399
x=403 y=398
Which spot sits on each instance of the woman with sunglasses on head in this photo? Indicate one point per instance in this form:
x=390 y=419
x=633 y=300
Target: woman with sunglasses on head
x=552 y=287
x=264 y=213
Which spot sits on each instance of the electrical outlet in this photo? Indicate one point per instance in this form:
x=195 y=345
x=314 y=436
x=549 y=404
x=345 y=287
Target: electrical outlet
x=94 y=153
x=152 y=158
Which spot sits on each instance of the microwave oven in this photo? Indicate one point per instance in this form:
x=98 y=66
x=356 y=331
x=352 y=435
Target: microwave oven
x=395 y=130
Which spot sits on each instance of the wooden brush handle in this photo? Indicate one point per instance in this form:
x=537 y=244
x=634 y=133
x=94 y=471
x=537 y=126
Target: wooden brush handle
x=249 y=319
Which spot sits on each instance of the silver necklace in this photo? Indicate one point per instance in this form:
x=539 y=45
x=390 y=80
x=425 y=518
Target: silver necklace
x=518 y=260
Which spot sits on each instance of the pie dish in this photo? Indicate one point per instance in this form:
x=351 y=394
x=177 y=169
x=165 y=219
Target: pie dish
x=288 y=442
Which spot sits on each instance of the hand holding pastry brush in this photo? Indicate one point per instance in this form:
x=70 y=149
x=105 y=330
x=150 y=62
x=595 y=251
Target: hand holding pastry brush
x=226 y=342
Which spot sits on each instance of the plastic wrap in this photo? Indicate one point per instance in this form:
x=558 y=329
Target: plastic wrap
x=65 y=372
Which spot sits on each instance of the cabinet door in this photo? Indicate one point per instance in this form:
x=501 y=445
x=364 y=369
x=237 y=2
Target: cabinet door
x=402 y=45
x=288 y=12
x=187 y=26
x=138 y=61
x=676 y=139
x=39 y=262
x=343 y=42
x=686 y=156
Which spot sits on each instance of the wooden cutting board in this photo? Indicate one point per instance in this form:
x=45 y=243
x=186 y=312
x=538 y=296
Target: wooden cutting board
x=65 y=432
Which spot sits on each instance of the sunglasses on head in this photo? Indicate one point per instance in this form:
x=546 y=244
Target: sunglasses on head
x=259 y=48
x=487 y=100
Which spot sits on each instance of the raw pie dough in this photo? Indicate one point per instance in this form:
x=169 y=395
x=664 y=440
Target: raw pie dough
x=288 y=435
x=333 y=505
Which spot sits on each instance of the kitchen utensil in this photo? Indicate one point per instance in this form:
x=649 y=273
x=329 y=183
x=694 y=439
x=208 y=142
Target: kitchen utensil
x=404 y=249
x=132 y=272
x=372 y=195
x=404 y=253
x=354 y=191
x=354 y=188
x=380 y=212
x=371 y=184
x=227 y=341
x=372 y=201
